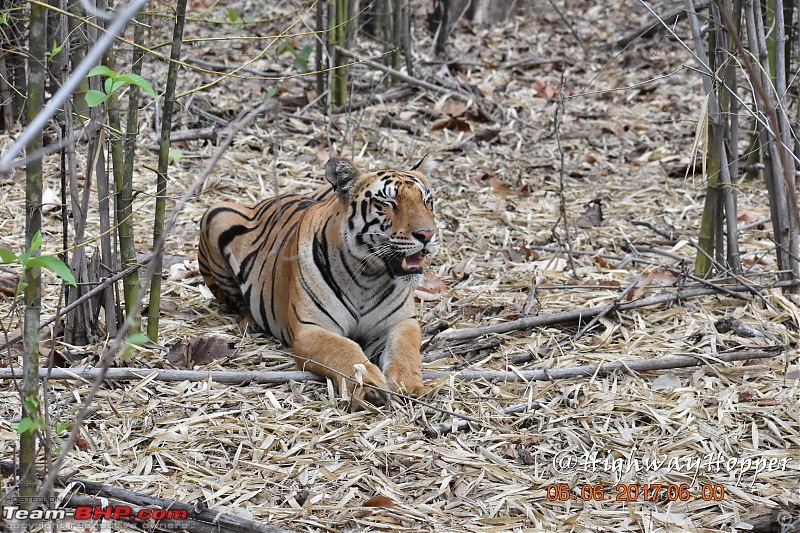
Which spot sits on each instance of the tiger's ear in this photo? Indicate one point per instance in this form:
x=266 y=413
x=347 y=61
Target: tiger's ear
x=342 y=174
x=426 y=165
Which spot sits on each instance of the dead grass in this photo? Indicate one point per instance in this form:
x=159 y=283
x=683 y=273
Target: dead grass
x=293 y=456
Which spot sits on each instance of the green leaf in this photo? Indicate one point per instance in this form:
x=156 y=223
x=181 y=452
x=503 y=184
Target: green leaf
x=102 y=69
x=108 y=85
x=62 y=427
x=21 y=286
x=55 y=265
x=36 y=241
x=233 y=15
x=305 y=53
x=285 y=46
x=7 y=256
x=137 y=339
x=32 y=403
x=95 y=98
x=24 y=425
x=53 y=51
x=140 y=82
x=175 y=154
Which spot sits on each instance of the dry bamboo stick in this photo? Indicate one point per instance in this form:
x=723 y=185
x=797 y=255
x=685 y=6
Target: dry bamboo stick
x=577 y=315
x=267 y=377
x=660 y=363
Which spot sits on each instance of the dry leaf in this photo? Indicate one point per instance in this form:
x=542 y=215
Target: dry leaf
x=8 y=283
x=746 y=216
x=454 y=108
x=379 y=501
x=520 y=253
x=745 y=396
x=592 y=217
x=450 y=123
x=498 y=185
x=525 y=456
x=198 y=352
x=660 y=277
x=431 y=289
x=510 y=453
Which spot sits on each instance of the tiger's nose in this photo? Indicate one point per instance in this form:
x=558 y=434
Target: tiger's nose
x=424 y=235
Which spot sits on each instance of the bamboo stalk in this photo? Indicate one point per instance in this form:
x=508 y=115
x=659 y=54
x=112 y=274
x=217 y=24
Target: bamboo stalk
x=154 y=310
x=33 y=224
x=108 y=261
x=782 y=205
x=124 y=181
x=249 y=377
x=338 y=21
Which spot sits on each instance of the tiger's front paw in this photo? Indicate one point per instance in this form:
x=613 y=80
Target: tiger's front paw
x=369 y=383
x=406 y=381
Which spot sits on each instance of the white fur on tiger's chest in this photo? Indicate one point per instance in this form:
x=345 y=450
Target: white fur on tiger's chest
x=363 y=307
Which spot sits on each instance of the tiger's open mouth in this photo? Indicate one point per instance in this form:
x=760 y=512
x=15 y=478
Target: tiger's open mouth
x=406 y=266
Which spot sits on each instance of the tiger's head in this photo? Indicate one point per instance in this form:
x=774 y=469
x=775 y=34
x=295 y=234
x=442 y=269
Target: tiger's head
x=390 y=221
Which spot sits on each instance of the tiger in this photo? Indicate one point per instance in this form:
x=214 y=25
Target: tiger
x=331 y=274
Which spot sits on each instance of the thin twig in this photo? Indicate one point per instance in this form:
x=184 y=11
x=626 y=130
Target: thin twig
x=561 y=191
x=200 y=519
x=100 y=287
x=607 y=309
x=404 y=77
x=118 y=342
x=571 y=28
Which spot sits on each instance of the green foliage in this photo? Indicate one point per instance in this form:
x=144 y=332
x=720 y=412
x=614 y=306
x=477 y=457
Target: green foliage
x=48 y=262
x=3 y=19
x=233 y=16
x=49 y=54
x=113 y=83
x=33 y=422
x=136 y=339
x=175 y=155
x=300 y=56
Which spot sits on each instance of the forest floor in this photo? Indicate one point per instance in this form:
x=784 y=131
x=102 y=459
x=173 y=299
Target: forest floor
x=293 y=455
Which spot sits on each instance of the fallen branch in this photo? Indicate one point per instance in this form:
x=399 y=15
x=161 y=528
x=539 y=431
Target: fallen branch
x=272 y=377
x=443 y=353
x=199 y=519
x=580 y=315
x=606 y=309
x=659 y=363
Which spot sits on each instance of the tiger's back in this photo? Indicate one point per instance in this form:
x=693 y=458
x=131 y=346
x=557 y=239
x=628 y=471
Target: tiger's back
x=241 y=244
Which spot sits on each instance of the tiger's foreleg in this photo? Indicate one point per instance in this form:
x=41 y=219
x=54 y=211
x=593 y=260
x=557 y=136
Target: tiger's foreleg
x=401 y=360
x=333 y=356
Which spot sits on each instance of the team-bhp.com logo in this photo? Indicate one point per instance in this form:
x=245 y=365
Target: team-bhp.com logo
x=95 y=512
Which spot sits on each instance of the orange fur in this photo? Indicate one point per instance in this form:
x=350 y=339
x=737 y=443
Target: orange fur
x=331 y=274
